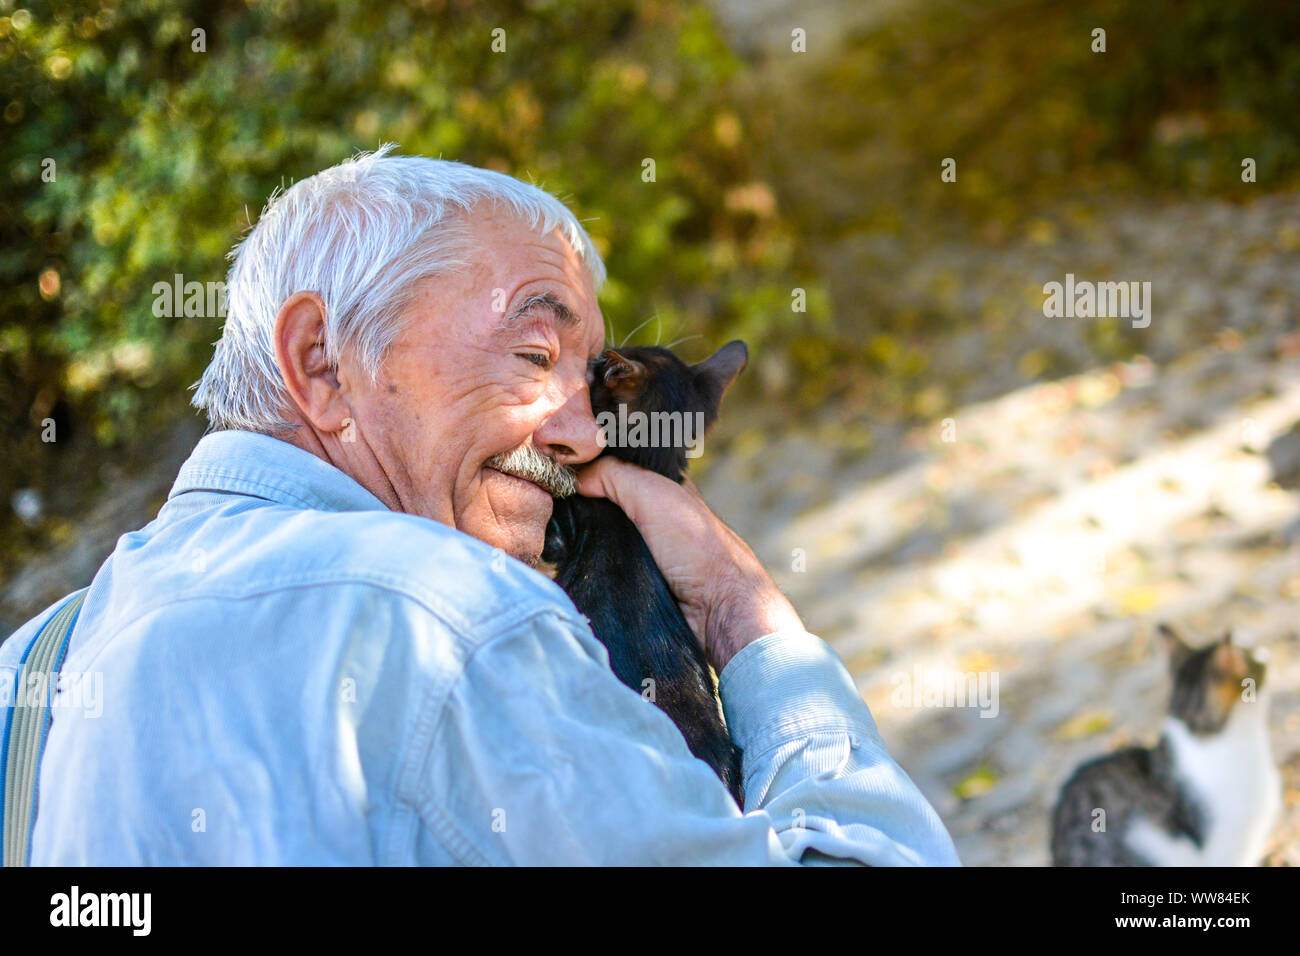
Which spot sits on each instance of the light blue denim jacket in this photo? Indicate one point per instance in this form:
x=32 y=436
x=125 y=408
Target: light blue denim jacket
x=280 y=670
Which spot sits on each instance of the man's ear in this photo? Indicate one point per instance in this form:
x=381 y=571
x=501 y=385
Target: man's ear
x=312 y=383
x=715 y=374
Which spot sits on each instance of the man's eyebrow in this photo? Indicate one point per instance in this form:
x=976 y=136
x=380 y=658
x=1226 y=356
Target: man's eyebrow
x=549 y=300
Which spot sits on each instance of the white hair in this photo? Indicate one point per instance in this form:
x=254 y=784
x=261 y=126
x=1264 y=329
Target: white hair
x=360 y=235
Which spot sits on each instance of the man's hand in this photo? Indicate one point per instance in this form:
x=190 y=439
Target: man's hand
x=727 y=597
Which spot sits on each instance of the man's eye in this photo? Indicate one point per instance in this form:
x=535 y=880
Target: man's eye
x=540 y=359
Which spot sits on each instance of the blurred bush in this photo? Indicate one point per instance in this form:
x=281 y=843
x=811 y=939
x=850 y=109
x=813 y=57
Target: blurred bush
x=1183 y=92
x=1050 y=138
x=164 y=155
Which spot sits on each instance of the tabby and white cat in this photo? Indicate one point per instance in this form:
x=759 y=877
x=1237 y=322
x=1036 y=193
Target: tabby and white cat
x=1208 y=794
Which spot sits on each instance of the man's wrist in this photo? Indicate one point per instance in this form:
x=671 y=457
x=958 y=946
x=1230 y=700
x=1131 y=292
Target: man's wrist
x=750 y=615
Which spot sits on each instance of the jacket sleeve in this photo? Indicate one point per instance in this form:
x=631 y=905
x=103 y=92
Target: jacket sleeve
x=540 y=756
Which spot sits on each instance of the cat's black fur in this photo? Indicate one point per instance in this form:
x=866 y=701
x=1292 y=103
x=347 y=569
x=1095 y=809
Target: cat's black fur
x=607 y=570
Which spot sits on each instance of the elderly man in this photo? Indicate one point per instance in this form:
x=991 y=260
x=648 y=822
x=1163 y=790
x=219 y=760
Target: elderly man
x=332 y=646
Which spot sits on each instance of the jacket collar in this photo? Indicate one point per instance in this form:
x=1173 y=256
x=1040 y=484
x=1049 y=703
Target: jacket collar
x=247 y=463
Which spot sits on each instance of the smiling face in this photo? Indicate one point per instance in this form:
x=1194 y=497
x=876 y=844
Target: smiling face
x=490 y=361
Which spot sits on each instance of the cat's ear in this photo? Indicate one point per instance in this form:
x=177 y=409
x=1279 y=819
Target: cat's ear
x=624 y=377
x=715 y=374
x=1226 y=655
x=1177 y=649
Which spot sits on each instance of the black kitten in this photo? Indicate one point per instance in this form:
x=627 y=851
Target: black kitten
x=606 y=567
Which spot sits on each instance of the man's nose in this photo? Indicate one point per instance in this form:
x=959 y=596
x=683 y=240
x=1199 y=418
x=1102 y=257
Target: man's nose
x=571 y=435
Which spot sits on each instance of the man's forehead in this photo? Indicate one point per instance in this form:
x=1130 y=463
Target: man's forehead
x=561 y=282
x=515 y=241
x=553 y=305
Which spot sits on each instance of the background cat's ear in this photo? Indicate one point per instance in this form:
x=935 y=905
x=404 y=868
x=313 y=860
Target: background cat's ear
x=715 y=374
x=1227 y=656
x=1175 y=646
x=623 y=376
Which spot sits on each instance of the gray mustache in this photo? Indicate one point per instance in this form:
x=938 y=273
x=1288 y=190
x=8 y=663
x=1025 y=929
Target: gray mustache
x=528 y=463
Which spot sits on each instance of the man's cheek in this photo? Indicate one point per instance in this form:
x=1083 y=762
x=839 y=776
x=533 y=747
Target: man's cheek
x=511 y=426
x=522 y=391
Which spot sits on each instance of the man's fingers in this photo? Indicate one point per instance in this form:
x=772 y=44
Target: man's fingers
x=596 y=480
x=620 y=482
x=642 y=494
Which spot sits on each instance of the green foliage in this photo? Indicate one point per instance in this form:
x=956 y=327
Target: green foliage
x=1048 y=136
x=165 y=155
x=1183 y=92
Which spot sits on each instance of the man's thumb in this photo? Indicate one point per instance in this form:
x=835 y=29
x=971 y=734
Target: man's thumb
x=600 y=479
x=623 y=483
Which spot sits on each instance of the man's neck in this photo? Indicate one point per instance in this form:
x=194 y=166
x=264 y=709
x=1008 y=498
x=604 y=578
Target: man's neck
x=373 y=479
